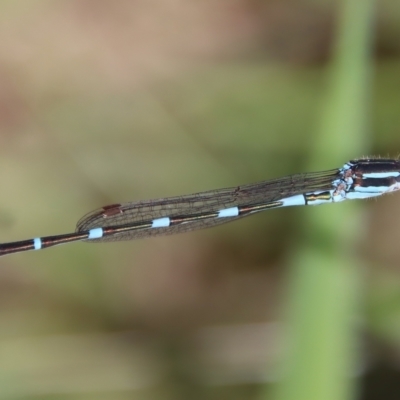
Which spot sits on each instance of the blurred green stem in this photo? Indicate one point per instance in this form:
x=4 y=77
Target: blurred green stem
x=325 y=277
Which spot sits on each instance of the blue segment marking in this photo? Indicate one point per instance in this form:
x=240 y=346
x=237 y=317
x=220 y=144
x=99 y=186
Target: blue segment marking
x=296 y=200
x=37 y=243
x=95 y=233
x=228 y=212
x=160 y=222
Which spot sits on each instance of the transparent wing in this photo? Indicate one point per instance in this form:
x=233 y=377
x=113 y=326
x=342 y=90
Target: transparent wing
x=141 y=213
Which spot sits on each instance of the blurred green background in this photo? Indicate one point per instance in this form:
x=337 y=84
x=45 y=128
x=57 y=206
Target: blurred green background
x=104 y=102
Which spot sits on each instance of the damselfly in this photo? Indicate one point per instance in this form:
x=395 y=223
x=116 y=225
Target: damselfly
x=357 y=179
